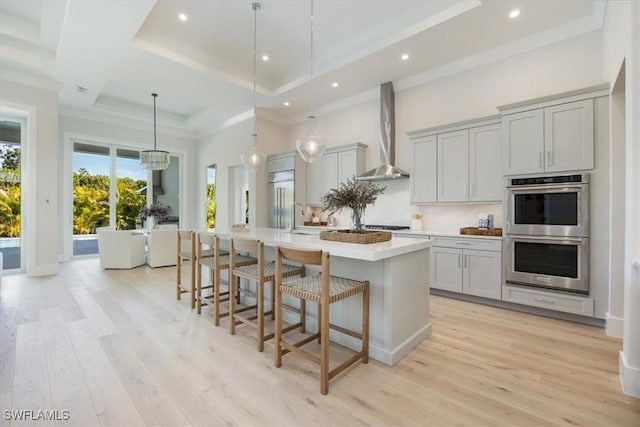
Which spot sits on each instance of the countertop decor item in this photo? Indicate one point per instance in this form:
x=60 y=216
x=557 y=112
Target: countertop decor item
x=349 y=236
x=416 y=222
x=355 y=195
x=316 y=224
x=481 y=232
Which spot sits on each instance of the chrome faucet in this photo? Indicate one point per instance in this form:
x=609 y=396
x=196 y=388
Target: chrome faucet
x=292 y=225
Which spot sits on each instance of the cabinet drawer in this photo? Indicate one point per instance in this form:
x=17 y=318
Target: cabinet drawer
x=462 y=243
x=282 y=164
x=549 y=300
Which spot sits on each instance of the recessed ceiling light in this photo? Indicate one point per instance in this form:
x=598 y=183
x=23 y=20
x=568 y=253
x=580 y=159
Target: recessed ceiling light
x=404 y=56
x=265 y=57
x=183 y=17
x=286 y=103
x=514 y=13
x=334 y=84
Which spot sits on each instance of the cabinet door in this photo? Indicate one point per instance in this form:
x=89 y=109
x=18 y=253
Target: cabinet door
x=346 y=165
x=481 y=273
x=330 y=177
x=446 y=269
x=422 y=178
x=485 y=178
x=453 y=166
x=568 y=136
x=314 y=183
x=523 y=143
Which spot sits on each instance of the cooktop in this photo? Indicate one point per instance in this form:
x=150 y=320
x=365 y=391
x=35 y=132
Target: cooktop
x=387 y=227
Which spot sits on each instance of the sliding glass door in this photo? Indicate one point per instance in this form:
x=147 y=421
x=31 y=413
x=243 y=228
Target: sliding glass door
x=12 y=131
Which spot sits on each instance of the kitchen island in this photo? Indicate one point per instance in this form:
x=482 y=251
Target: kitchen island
x=398 y=272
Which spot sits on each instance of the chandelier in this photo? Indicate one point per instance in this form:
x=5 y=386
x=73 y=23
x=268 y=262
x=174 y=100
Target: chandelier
x=254 y=158
x=311 y=145
x=154 y=159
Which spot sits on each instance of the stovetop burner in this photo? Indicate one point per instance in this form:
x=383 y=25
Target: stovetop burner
x=387 y=227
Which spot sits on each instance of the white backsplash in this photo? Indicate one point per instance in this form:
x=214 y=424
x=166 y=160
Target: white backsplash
x=393 y=208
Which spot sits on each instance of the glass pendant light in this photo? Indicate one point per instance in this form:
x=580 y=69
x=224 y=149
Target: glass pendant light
x=311 y=145
x=254 y=158
x=154 y=159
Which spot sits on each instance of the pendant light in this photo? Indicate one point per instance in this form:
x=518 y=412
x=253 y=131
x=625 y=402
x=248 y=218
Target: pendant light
x=311 y=145
x=254 y=158
x=154 y=159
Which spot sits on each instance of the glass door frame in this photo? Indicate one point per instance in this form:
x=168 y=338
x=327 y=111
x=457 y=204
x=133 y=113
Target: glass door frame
x=22 y=118
x=67 y=181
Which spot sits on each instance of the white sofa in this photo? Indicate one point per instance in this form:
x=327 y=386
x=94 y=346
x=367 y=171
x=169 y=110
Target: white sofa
x=120 y=248
x=162 y=247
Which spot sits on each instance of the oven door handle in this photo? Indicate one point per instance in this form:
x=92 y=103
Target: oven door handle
x=556 y=239
x=544 y=188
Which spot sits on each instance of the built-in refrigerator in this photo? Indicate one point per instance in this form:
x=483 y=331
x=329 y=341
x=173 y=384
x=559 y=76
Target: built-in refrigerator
x=281 y=198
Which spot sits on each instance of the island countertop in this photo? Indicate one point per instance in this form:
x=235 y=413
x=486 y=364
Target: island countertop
x=366 y=252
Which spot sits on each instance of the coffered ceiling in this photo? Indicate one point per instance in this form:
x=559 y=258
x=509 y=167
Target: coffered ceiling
x=105 y=57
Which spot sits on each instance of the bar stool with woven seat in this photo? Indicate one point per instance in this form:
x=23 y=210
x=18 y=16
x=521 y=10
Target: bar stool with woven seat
x=216 y=264
x=324 y=290
x=259 y=273
x=187 y=251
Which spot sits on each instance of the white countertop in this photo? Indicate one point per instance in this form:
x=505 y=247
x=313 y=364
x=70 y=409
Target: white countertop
x=368 y=252
x=417 y=233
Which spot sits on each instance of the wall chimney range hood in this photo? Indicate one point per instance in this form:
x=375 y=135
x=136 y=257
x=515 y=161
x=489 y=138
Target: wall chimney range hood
x=386 y=170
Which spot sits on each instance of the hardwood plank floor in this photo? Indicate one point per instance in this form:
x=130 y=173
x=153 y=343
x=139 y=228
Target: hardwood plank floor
x=116 y=348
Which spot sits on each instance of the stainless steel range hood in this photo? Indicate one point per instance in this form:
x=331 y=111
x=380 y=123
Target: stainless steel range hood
x=386 y=170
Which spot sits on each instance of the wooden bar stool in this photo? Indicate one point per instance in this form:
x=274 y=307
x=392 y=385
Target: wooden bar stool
x=216 y=263
x=187 y=251
x=259 y=273
x=324 y=290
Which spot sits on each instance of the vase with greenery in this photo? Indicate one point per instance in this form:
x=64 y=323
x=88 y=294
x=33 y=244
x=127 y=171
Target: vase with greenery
x=354 y=195
x=155 y=213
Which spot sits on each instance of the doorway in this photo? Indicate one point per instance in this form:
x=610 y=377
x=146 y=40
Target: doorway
x=12 y=143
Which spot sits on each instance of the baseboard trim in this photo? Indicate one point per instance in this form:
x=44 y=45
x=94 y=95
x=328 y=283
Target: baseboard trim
x=43 y=270
x=614 y=326
x=629 y=377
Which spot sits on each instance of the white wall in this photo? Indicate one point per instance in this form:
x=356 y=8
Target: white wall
x=568 y=65
x=40 y=189
x=621 y=35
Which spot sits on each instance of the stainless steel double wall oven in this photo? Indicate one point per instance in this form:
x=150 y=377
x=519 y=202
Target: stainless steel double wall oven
x=547 y=232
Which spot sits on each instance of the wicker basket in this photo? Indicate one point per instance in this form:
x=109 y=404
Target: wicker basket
x=363 y=237
x=481 y=231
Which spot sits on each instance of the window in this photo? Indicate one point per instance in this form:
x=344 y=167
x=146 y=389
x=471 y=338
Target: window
x=11 y=133
x=211 y=196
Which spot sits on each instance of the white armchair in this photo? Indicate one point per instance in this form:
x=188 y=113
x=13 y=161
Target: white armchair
x=120 y=248
x=162 y=247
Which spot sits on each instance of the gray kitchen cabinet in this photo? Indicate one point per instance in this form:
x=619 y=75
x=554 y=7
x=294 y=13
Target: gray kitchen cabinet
x=337 y=165
x=470 y=266
x=423 y=172
x=485 y=177
x=557 y=137
x=453 y=166
x=457 y=162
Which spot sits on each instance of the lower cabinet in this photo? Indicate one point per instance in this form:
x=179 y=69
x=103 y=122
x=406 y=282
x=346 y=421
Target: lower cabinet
x=467 y=265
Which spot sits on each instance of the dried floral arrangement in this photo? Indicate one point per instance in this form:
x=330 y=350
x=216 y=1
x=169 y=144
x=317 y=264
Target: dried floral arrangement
x=355 y=195
x=157 y=210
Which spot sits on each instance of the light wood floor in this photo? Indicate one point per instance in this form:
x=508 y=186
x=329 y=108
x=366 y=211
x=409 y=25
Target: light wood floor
x=116 y=348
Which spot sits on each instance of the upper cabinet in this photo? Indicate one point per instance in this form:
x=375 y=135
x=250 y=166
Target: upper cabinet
x=456 y=163
x=423 y=172
x=337 y=165
x=553 y=135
